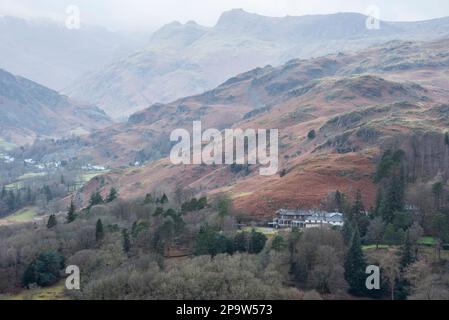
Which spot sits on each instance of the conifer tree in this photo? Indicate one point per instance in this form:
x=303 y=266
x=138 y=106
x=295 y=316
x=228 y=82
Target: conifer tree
x=378 y=207
x=357 y=216
x=340 y=201
x=240 y=242
x=112 y=195
x=311 y=135
x=164 y=199
x=148 y=199
x=358 y=208
x=52 y=222
x=71 y=215
x=347 y=231
x=407 y=253
x=158 y=212
x=95 y=199
x=355 y=266
x=402 y=288
x=134 y=230
x=126 y=241
x=99 y=231
x=394 y=199
x=257 y=242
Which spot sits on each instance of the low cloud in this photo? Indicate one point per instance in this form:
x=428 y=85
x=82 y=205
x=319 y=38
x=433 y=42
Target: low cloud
x=149 y=14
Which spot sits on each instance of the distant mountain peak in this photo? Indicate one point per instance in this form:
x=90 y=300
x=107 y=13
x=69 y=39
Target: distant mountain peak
x=191 y=23
x=236 y=16
x=176 y=26
x=175 y=23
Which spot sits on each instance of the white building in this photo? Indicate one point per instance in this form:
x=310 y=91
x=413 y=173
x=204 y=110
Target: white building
x=306 y=219
x=325 y=218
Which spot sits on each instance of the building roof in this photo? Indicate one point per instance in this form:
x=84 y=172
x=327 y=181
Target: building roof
x=327 y=217
x=287 y=212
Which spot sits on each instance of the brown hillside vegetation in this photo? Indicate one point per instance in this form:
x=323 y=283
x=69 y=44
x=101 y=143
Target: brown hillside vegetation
x=358 y=104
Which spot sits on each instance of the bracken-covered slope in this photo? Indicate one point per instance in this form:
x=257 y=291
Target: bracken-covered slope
x=185 y=59
x=393 y=95
x=29 y=110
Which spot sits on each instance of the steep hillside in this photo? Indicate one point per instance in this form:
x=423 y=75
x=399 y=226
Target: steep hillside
x=29 y=110
x=354 y=116
x=188 y=59
x=299 y=92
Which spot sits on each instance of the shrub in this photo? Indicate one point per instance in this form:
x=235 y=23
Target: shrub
x=44 y=270
x=311 y=135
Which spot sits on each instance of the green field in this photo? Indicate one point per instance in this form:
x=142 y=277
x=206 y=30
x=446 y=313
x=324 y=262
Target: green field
x=424 y=241
x=427 y=241
x=269 y=232
x=6 y=146
x=55 y=292
x=31 y=175
x=23 y=215
x=373 y=246
x=19 y=183
x=87 y=176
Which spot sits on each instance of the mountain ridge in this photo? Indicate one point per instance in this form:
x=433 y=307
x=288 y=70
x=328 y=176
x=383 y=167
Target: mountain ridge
x=186 y=59
x=30 y=110
x=358 y=104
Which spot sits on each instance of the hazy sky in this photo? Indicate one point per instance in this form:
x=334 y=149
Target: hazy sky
x=150 y=14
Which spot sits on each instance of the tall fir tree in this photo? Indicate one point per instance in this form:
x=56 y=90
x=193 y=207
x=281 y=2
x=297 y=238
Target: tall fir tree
x=358 y=215
x=148 y=199
x=395 y=194
x=164 y=199
x=126 y=241
x=71 y=215
x=378 y=206
x=113 y=194
x=347 y=231
x=402 y=287
x=355 y=266
x=95 y=199
x=340 y=201
x=99 y=231
x=358 y=208
x=407 y=253
x=52 y=222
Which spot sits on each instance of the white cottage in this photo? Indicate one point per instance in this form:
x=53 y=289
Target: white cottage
x=306 y=219
x=325 y=218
